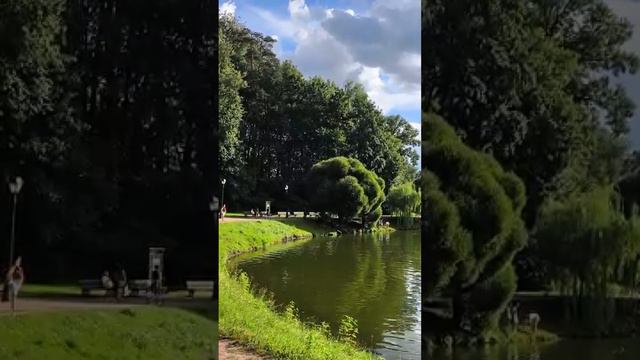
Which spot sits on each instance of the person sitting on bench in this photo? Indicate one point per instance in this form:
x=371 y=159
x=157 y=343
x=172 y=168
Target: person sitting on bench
x=107 y=283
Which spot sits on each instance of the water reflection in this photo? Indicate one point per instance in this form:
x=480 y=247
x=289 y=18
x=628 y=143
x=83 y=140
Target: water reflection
x=594 y=349
x=375 y=279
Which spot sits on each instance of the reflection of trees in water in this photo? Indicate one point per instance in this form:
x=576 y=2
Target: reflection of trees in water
x=365 y=277
x=377 y=294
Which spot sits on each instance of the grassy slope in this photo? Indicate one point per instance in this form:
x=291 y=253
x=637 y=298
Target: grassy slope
x=146 y=333
x=250 y=319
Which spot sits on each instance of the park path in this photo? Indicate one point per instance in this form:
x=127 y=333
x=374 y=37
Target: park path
x=230 y=350
x=32 y=305
x=239 y=219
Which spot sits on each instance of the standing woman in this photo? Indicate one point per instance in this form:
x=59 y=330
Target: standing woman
x=15 y=279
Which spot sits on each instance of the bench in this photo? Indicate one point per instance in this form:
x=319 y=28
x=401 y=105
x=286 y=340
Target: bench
x=199 y=285
x=87 y=285
x=135 y=286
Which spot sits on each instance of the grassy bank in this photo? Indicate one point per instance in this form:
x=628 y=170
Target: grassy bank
x=144 y=333
x=251 y=318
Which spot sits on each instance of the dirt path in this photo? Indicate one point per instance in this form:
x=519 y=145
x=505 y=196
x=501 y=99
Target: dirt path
x=231 y=350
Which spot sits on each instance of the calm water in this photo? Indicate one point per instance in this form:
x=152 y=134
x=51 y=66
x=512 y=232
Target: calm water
x=372 y=278
x=605 y=349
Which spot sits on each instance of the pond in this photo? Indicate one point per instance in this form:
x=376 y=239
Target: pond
x=374 y=278
x=600 y=349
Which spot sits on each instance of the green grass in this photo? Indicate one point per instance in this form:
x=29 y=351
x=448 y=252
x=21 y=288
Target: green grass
x=49 y=290
x=140 y=333
x=251 y=319
x=236 y=237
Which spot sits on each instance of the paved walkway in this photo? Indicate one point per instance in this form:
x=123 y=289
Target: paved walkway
x=34 y=305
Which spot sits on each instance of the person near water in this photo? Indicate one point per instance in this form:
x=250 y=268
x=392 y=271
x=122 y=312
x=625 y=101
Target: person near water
x=15 y=279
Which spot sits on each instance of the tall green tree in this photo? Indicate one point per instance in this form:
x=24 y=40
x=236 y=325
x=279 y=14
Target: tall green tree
x=472 y=227
x=528 y=81
x=344 y=187
x=230 y=108
x=403 y=199
x=291 y=123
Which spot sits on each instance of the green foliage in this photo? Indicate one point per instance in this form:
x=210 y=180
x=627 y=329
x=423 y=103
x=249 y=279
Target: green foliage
x=589 y=245
x=107 y=112
x=471 y=223
x=344 y=187
x=536 y=78
x=348 y=331
x=587 y=238
x=230 y=108
x=243 y=314
x=403 y=199
x=291 y=123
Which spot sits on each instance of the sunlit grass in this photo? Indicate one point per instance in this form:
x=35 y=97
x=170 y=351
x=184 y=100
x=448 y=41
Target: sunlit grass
x=251 y=318
x=140 y=333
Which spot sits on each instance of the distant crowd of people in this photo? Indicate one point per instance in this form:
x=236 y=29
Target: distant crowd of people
x=116 y=282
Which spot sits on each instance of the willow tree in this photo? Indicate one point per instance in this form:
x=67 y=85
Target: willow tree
x=472 y=226
x=590 y=244
x=343 y=186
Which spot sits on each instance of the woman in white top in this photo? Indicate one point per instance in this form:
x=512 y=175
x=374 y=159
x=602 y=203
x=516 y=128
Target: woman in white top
x=15 y=279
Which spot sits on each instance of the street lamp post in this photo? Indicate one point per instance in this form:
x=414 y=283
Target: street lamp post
x=213 y=206
x=224 y=181
x=14 y=187
x=286 y=196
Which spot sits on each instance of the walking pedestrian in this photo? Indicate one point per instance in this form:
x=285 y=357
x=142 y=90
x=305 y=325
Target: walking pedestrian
x=15 y=279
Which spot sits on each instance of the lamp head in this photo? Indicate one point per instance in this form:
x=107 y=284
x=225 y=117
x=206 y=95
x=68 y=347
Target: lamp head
x=16 y=185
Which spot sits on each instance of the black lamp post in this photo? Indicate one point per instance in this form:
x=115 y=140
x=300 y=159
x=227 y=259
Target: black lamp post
x=14 y=187
x=286 y=196
x=214 y=205
x=224 y=181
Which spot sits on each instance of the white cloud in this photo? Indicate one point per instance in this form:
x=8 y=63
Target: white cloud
x=228 y=8
x=379 y=48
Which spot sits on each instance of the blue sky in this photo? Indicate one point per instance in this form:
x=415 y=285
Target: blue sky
x=373 y=42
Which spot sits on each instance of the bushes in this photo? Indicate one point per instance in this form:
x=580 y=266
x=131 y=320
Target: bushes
x=404 y=200
x=344 y=187
x=472 y=226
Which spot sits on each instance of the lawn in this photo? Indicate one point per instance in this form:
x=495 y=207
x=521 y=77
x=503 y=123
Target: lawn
x=49 y=290
x=141 y=333
x=251 y=318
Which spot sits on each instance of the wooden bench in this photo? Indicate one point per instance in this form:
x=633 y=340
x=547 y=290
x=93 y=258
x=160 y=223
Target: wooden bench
x=199 y=285
x=138 y=285
x=87 y=285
